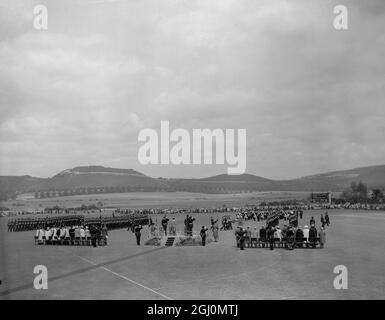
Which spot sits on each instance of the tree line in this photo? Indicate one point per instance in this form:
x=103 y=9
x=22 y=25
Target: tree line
x=359 y=192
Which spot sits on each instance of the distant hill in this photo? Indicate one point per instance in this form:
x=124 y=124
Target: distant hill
x=337 y=180
x=100 y=170
x=223 y=184
x=237 y=178
x=11 y=185
x=99 y=179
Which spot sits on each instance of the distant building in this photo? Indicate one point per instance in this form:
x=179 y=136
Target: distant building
x=321 y=197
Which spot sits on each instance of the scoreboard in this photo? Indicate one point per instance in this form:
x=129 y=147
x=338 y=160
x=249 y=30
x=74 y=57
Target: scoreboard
x=321 y=197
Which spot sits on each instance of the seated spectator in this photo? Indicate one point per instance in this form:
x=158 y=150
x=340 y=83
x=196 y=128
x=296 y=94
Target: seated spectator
x=313 y=235
x=254 y=236
x=77 y=232
x=47 y=234
x=299 y=237
x=63 y=233
x=290 y=238
x=72 y=233
x=58 y=234
x=53 y=234
x=39 y=235
x=67 y=234
x=306 y=234
x=87 y=232
x=284 y=231
x=82 y=233
x=278 y=233
x=104 y=233
x=262 y=235
x=248 y=236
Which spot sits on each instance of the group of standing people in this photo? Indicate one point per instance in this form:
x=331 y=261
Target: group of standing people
x=188 y=225
x=169 y=229
x=325 y=220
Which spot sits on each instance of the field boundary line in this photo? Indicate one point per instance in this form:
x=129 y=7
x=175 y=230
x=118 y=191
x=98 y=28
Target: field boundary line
x=127 y=279
x=79 y=271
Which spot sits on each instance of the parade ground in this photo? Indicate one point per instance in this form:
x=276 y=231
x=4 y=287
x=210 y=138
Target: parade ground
x=123 y=270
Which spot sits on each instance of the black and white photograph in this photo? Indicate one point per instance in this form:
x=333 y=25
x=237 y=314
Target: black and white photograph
x=192 y=150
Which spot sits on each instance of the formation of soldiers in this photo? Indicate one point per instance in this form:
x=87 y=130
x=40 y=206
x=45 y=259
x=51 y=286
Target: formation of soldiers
x=28 y=224
x=114 y=222
x=246 y=211
x=262 y=214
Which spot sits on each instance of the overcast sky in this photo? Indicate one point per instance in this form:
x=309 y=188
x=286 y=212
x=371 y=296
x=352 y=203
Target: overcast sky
x=311 y=97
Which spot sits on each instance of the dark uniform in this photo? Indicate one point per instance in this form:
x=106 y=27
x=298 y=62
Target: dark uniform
x=95 y=235
x=190 y=225
x=137 y=234
x=312 y=236
x=242 y=238
x=262 y=235
x=290 y=238
x=203 y=235
x=322 y=221
x=327 y=221
x=164 y=225
x=270 y=236
x=299 y=237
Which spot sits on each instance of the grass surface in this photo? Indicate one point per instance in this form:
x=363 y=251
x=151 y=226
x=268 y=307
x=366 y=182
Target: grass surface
x=123 y=270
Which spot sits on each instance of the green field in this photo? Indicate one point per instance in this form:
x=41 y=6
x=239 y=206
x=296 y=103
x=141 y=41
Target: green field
x=123 y=270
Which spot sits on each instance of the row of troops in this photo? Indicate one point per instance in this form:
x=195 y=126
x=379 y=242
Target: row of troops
x=111 y=223
x=28 y=224
x=262 y=214
x=247 y=212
